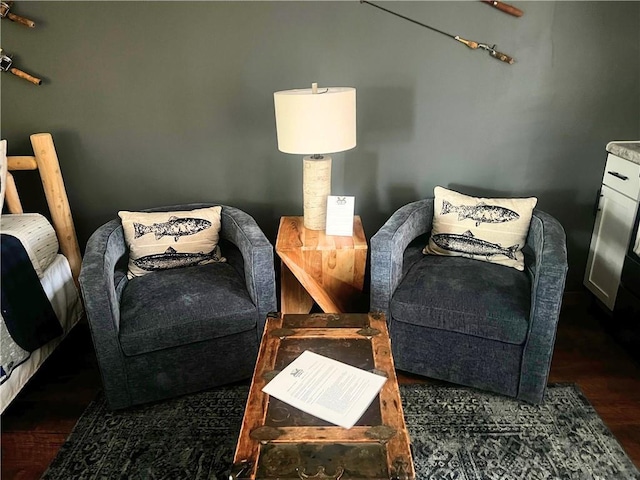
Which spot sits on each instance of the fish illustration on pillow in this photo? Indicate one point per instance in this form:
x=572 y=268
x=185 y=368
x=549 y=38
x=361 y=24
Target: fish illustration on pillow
x=175 y=227
x=467 y=244
x=173 y=259
x=480 y=213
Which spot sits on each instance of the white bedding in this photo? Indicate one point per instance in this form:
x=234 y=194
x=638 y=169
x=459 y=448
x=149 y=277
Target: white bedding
x=36 y=235
x=65 y=300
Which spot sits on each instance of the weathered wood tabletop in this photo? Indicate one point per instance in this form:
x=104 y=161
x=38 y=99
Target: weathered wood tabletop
x=278 y=441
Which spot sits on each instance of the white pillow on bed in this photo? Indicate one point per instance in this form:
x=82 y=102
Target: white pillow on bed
x=36 y=235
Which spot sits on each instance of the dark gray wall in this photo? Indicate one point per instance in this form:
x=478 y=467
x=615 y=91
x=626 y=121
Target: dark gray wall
x=155 y=103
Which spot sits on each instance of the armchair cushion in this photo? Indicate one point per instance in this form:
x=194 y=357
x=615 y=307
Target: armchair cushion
x=465 y=296
x=163 y=240
x=489 y=229
x=176 y=307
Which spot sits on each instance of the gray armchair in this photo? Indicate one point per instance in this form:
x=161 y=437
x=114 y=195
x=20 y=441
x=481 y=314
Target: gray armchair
x=466 y=321
x=182 y=330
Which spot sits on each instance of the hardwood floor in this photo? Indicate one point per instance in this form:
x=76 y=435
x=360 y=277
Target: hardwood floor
x=606 y=373
x=38 y=421
x=40 y=418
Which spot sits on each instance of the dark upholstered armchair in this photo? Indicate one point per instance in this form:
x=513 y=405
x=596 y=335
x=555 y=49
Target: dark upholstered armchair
x=466 y=321
x=182 y=330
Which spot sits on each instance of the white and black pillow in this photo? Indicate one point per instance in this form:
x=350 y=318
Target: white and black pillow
x=488 y=229
x=164 y=240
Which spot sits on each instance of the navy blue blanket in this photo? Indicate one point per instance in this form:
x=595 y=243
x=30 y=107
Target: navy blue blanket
x=26 y=310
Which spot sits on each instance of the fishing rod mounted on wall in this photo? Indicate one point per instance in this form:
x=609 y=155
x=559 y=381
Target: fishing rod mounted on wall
x=6 y=65
x=5 y=13
x=504 y=7
x=469 y=43
x=6 y=60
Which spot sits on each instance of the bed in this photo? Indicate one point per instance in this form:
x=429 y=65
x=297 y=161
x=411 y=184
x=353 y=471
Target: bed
x=40 y=265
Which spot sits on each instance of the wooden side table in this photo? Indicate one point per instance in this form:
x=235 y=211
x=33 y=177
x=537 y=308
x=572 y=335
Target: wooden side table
x=325 y=269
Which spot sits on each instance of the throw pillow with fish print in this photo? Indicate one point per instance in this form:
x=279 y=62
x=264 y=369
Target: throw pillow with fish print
x=164 y=240
x=488 y=229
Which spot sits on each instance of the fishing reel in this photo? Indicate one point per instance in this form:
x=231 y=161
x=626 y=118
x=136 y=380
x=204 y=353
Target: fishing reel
x=5 y=13
x=6 y=63
x=503 y=57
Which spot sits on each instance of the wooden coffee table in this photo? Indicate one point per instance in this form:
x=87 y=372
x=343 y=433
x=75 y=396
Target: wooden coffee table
x=278 y=441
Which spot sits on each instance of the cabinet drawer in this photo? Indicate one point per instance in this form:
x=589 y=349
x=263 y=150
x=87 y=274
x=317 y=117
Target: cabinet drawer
x=623 y=176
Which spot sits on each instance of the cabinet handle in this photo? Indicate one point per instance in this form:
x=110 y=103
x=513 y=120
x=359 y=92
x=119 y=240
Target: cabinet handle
x=618 y=175
x=596 y=205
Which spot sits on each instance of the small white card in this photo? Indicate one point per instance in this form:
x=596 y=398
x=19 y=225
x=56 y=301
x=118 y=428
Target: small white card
x=340 y=215
x=326 y=388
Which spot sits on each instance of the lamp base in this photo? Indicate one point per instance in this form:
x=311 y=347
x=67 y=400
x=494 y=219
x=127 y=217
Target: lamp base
x=316 y=187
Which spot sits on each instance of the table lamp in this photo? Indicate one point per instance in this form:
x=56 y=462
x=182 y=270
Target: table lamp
x=315 y=122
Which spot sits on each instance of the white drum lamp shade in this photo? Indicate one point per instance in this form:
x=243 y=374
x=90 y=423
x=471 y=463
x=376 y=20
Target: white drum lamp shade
x=314 y=122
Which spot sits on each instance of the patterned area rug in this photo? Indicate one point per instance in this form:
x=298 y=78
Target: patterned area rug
x=457 y=433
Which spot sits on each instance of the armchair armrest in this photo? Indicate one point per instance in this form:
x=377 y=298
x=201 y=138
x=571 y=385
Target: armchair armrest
x=257 y=252
x=548 y=273
x=105 y=248
x=388 y=246
x=102 y=303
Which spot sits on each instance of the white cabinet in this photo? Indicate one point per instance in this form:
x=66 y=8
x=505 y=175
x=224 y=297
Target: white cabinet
x=617 y=208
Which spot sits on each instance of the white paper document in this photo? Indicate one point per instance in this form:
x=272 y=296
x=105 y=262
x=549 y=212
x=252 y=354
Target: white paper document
x=340 y=215
x=328 y=389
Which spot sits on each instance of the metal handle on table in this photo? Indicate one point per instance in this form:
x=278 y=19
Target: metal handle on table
x=321 y=474
x=618 y=175
x=240 y=470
